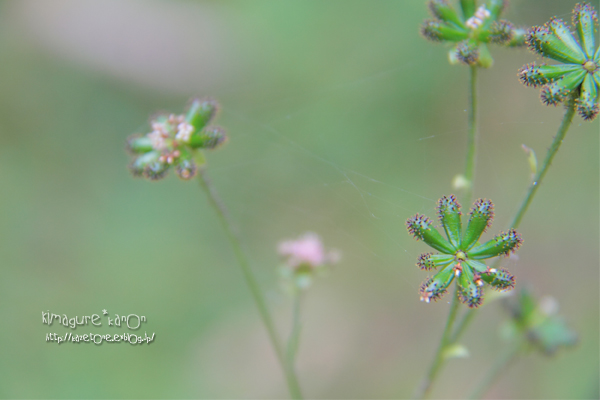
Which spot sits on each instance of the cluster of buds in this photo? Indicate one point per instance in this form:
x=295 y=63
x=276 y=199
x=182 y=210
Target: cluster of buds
x=175 y=141
x=461 y=254
x=304 y=258
x=471 y=30
x=578 y=77
x=538 y=322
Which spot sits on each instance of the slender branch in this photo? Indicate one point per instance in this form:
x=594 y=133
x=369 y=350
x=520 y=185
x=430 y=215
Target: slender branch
x=223 y=215
x=425 y=386
x=496 y=370
x=294 y=340
x=472 y=137
x=537 y=180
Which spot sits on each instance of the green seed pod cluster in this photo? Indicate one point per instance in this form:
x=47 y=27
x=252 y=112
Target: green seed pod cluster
x=461 y=253
x=176 y=141
x=578 y=76
x=471 y=30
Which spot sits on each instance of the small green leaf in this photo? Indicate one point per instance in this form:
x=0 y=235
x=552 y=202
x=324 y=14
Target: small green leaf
x=481 y=217
x=502 y=244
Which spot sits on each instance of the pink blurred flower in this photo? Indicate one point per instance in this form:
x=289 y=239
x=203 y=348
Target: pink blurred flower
x=307 y=250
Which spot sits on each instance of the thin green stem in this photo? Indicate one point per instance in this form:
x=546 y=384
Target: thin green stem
x=425 y=386
x=462 y=325
x=223 y=215
x=537 y=180
x=294 y=340
x=496 y=370
x=472 y=137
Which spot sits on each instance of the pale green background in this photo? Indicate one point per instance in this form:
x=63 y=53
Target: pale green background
x=343 y=121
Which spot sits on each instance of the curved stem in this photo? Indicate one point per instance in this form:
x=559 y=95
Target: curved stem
x=496 y=370
x=472 y=137
x=223 y=215
x=537 y=180
x=294 y=340
x=425 y=386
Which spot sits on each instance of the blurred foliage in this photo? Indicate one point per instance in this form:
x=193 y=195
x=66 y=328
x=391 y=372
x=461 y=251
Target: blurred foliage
x=342 y=121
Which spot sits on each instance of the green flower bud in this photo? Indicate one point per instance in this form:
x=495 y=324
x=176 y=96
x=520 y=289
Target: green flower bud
x=421 y=228
x=481 y=218
x=502 y=244
x=585 y=20
x=201 y=112
x=449 y=215
x=428 y=261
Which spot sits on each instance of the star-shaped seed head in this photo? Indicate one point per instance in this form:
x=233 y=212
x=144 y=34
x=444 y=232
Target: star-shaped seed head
x=461 y=252
x=578 y=77
x=176 y=141
x=471 y=30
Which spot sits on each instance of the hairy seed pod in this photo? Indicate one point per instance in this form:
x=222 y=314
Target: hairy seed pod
x=541 y=40
x=186 y=169
x=209 y=138
x=502 y=244
x=156 y=170
x=587 y=103
x=138 y=144
x=481 y=218
x=585 y=20
x=557 y=91
x=470 y=292
x=435 y=287
x=467 y=52
x=437 y=32
x=201 y=112
x=449 y=215
x=563 y=33
x=501 y=32
x=468 y=8
x=538 y=75
x=443 y=11
x=422 y=229
x=428 y=261
x=477 y=265
x=500 y=280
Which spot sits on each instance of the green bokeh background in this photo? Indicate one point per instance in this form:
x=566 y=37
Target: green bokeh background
x=342 y=121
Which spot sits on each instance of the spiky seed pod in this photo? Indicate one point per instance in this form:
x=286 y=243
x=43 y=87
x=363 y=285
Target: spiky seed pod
x=186 y=169
x=422 y=229
x=557 y=91
x=562 y=31
x=201 y=112
x=138 y=144
x=547 y=44
x=443 y=11
x=209 y=138
x=156 y=170
x=449 y=215
x=428 y=261
x=481 y=218
x=499 y=279
x=585 y=20
x=587 y=103
x=537 y=75
x=502 y=244
x=477 y=265
x=470 y=292
x=435 y=287
x=138 y=165
x=437 y=32
x=501 y=32
x=467 y=52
